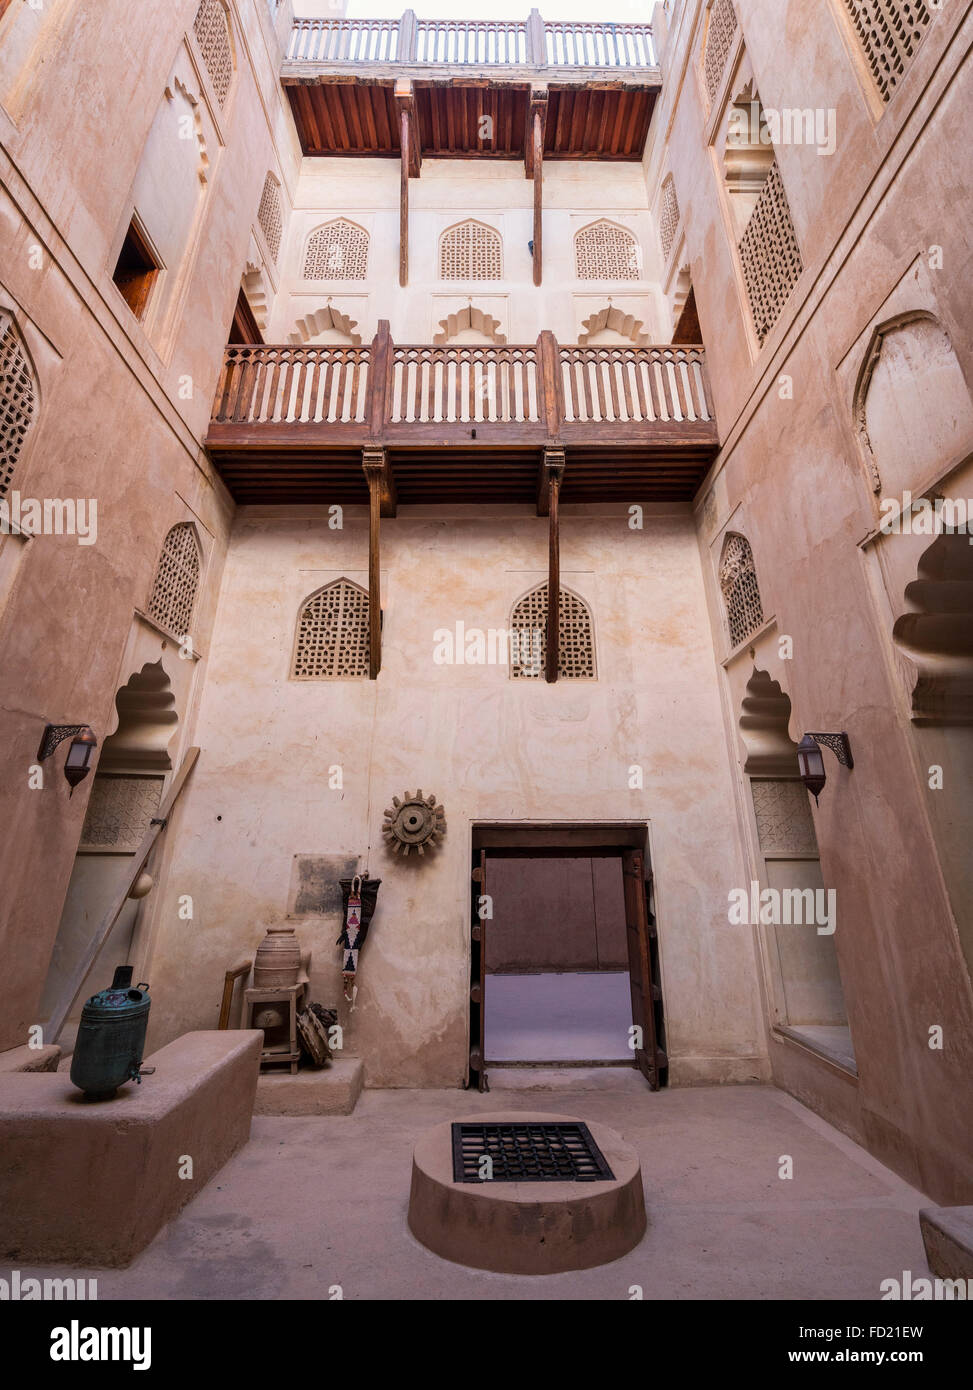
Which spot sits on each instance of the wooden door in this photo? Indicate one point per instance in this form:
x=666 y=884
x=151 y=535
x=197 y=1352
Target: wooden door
x=648 y=1056
x=478 y=1076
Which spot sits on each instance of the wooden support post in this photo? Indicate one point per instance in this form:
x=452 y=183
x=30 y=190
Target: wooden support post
x=549 y=369
x=553 y=467
x=536 y=40
x=406 y=49
x=534 y=164
x=410 y=166
x=375 y=464
x=379 y=372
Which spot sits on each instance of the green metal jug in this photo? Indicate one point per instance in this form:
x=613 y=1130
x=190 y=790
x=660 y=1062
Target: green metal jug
x=111 y=1038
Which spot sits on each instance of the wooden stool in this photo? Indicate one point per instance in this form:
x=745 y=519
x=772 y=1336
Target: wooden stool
x=280 y=1039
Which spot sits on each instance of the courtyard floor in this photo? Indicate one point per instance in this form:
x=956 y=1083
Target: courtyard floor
x=313 y=1203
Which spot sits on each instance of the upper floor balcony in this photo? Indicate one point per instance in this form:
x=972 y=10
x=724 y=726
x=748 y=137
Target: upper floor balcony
x=463 y=422
x=602 y=78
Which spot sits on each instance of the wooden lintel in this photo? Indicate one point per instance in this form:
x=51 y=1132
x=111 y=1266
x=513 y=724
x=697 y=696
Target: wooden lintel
x=375 y=464
x=553 y=465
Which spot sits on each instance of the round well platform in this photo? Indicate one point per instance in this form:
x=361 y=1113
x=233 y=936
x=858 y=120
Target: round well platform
x=526 y=1227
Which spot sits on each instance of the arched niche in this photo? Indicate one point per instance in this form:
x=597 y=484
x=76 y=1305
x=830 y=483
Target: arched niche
x=937 y=633
x=147 y=719
x=327 y=325
x=612 y=325
x=765 y=729
x=913 y=408
x=469 y=325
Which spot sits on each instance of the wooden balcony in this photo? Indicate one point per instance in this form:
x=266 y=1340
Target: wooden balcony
x=341 y=77
x=462 y=423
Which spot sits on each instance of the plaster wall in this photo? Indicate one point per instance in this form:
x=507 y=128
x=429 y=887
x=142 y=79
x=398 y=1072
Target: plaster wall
x=489 y=747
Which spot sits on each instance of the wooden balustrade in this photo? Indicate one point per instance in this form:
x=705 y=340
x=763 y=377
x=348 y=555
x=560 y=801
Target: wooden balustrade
x=522 y=392
x=473 y=43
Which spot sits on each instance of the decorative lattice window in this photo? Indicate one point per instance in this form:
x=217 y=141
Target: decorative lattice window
x=18 y=400
x=212 y=29
x=738 y=580
x=176 y=581
x=603 y=251
x=720 y=32
x=668 y=216
x=270 y=216
x=575 y=641
x=333 y=634
x=337 y=251
x=471 y=251
x=770 y=256
x=889 y=32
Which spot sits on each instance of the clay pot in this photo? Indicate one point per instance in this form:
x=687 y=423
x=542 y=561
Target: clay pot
x=277 y=963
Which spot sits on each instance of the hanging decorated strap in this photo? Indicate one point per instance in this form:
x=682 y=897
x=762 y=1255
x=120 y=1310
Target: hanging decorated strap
x=351 y=938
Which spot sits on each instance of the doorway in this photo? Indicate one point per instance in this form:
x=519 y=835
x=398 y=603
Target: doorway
x=564 y=958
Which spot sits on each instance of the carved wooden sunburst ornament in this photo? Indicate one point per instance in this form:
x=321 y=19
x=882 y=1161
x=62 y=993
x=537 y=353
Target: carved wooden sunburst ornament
x=413 y=823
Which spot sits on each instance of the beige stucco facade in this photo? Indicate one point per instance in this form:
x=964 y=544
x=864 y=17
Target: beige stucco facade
x=859 y=392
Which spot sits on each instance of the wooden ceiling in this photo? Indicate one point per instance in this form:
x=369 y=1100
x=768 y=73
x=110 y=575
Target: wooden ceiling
x=608 y=122
x=267 y=477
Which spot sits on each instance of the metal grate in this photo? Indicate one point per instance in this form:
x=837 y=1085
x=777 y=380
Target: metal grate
x=270 y=217
x=213 y=35
x=173 y=594
x=889 y=32
x=719 y=39
x=738 y=581
x=18 y=400
x=337 y=251
x=471 y=251
x=527 y=1152
x=603 y=251
x=769 y=255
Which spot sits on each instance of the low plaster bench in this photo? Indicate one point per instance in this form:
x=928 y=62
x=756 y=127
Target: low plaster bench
x=93 y=1183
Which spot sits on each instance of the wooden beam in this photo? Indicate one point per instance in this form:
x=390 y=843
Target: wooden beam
x=404 y=198
x=534 y=163
x=553 y=466
x=375 y=464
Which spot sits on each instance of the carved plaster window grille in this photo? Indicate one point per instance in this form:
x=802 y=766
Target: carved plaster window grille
x=212 y=29
x=177 y=580
x=337 y=251
x=720 y=33
x=668 y=216
x=603 y=251
x=333 y=634
x=18 y=400
x=471 y=251
x=770 y=256
x=889 y=32
x=576 y=637
x=741 y=594
x=270 y=216
x=119 y=812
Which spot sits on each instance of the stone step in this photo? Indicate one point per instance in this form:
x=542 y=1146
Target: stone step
x=334 y=1090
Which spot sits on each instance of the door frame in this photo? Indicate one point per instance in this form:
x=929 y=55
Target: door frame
x=548 y=840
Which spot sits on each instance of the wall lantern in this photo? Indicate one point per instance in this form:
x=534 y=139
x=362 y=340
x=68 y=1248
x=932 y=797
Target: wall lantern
x=77 y=765
x=810 y=759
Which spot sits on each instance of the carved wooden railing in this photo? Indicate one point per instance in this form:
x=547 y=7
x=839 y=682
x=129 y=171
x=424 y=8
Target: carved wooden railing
x=473 y=42
x=268 y=385
x=520 y=393
x=619 y=385
x=464 y=384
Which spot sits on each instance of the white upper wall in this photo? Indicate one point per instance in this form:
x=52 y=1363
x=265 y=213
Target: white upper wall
x=366 y=192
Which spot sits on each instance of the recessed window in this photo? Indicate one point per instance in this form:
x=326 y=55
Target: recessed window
x=136 y=271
